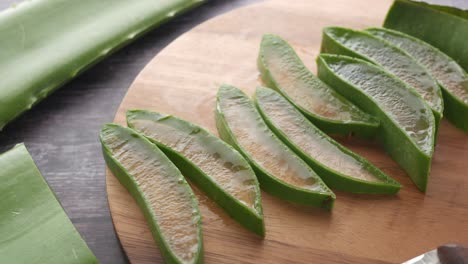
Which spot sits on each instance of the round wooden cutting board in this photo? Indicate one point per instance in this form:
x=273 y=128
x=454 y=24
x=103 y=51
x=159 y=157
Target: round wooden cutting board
x=183 y=79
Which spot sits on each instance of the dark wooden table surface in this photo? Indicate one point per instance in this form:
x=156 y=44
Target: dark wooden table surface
x=62 y=132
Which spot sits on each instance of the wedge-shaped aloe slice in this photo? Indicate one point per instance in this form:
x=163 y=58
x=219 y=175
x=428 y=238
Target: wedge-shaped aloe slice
x=365 y=46
x=338 y=166
x=444 y=28
x=34 y=228
x=217 y=168
x=451 y=77
x=45 y=43
x=166 y=199
x=284 y=71
x=407 y=125
x=280 y=171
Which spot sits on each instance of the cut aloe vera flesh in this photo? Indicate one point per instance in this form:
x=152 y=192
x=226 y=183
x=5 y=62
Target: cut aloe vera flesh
x=365 y=46
x=338 y=166
x=217 y=168
x=45 y=43
x=34 y=228
x=283 y=70
x=451 y=77
x=407 y=125
x=280 y=172
x=447 y=31
x=166 y=199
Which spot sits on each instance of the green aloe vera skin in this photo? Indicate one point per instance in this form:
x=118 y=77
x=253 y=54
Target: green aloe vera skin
x=283 y=70
x=279 y=170
x=34 y=228
x=338 y=166
x=446 y=29
x=214 y=166
x=451 y=77
x=45 y=43
x=363 y=45
x=407 y=125
x=166 y=199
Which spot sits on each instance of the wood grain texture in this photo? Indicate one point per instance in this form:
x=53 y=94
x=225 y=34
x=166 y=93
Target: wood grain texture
x=183 y=79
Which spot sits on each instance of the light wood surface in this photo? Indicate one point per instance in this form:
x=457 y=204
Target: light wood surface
x=183 y=79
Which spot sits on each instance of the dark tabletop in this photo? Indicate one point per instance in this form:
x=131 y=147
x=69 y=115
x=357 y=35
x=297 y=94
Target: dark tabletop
x=62 y=131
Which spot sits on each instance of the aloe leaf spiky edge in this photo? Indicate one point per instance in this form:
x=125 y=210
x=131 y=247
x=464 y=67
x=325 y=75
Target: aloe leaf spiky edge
x=89 y=32
x=267 y=182
x=420 y=167
x=333 y=178
x=362 y=129
x=119 y=171
x=249 y=218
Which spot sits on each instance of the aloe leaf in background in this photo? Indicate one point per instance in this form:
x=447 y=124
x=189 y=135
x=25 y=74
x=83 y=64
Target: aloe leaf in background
x=444 y=28
x=214 y=166
x=45 y=43
x=160 y=190
x=34 y=228
x=451 y=77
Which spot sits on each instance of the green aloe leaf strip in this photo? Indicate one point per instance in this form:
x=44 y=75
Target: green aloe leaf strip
x=214 y=166
x=338 y=166
x=451 y=77
x=445 y=30
x=407 y=125
x=45 y=43
x=166 y=199
x=283 y=70
x=279 y=170
x=34 y=228
x=363 y=45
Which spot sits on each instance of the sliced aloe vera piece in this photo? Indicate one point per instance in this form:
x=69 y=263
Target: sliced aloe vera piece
x=280 y=172
x=284 y=71
x=338 y=166
x=451 y=77
x=407 y=124
x=446 y=30
x=166 y=199
x=217 y=168
x=34 y=228
x=45 y=43
x=365 y=46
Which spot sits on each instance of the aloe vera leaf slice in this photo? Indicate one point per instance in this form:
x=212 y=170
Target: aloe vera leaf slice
x=407 y=124
x=451 y=77
x=279 y=170
x=34 y=228
x=365 y=46
x=338 y=166
x=214 y=166
x=37 y=56
x=283 y=70
x=166 y=199
x=443 y=30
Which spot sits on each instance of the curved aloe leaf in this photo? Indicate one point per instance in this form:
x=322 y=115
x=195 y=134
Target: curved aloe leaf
x=218 y=169
x=365 y=46
x=338 y=166
x=284 y=71
x=166 y=199
x=280 y=172
x=407 y=124
x=451 y=77
x=444 y=30
x=34 y=228
x=45 y=43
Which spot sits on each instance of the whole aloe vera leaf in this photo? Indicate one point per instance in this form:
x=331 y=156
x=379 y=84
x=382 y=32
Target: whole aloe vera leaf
x=166 y=199
x=34 y=228
x=213 y=165
x=45 y=43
